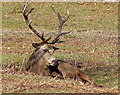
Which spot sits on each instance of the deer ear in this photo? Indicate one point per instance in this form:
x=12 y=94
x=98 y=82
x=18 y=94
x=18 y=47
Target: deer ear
x=35 y=45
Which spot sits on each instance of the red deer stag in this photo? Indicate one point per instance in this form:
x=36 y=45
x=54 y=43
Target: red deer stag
x=42 y=60
x=43 y=56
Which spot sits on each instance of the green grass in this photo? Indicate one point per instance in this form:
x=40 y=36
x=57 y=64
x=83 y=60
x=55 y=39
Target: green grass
x=86 y=16
x=68 y=47
x=106 y=78
x=83 y=16
x=107 y=81
x=8 y=60
x=85 y=57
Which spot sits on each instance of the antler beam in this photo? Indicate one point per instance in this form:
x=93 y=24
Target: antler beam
x=26 y=14
x=61 y=23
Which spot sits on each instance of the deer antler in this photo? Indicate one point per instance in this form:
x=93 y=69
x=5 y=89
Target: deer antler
x=61 y=22
x=25 y=14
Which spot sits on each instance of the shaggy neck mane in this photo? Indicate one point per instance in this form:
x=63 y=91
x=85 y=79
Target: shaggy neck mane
x=35 y=57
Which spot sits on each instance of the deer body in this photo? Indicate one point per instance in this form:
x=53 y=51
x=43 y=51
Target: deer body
x=43 y=55
x=72 y=72
x=42 y=59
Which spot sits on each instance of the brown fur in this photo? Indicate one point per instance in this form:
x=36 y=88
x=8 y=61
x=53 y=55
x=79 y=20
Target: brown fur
x=41 y=59
x=37 y=62
x=72 y=72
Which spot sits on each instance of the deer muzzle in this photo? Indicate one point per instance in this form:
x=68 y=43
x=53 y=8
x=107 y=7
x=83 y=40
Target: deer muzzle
x=51 y=61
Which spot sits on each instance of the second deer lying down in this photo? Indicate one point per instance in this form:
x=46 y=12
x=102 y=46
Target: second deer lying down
x=69 y=71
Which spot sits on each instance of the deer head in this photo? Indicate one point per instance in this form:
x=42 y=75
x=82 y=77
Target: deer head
x=45 y=49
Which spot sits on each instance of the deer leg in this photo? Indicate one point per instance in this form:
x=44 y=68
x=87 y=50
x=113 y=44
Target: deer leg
x=81 y=81
x=85 y=78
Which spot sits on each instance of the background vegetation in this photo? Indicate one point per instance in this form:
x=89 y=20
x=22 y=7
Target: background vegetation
x=92 y=42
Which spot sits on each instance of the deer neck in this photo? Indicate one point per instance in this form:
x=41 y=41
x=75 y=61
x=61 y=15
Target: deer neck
x=36 y=57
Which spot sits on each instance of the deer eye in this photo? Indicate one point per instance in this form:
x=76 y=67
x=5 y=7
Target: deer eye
x=45 y=50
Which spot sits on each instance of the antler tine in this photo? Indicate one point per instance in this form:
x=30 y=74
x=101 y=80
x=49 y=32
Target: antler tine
x=61 y=22
x=25 y=14
x=56 y=39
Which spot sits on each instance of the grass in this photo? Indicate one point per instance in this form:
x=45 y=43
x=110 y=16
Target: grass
x=104 y=76
x=83 y=16
x=91 y=42
x=30 y=83
x=10 y=59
